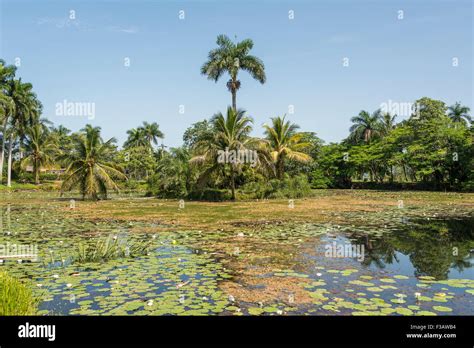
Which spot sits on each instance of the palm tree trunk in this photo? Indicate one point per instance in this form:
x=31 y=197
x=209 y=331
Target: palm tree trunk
x=9 y=169
x=234 y=99
x=280 y=167
x=232 y=182
x=2 y=154
x=37 y=170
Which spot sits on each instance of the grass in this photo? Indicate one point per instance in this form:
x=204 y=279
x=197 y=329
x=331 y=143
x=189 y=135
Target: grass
x=326 y=206
x=16 y=186
x=109 y=249
x=15 y=297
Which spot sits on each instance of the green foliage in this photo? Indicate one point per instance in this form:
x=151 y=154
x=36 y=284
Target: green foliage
x=110 y=248
x=231 y=132
x=294 y=187
x=210 y=194
x=174 y=175
x=138 y=162
x=143 y=136
x=199 y=132
x=15 y=297
x=40 y=147
x=230 y=58
x=319 y=180
x=90 y=167
x=334 y=165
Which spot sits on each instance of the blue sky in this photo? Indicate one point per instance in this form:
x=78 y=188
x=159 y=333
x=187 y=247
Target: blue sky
x=82 y=59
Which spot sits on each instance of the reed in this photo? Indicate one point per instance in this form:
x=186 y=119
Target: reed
x=109 y=249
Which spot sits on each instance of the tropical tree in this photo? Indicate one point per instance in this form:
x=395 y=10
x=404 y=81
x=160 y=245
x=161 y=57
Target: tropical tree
x=459 y=113
x=138 y=162
x=7 y=106
x=90 y=167
x=197 y=132
x=386 y=123
x=151 y=132
x=231 y=134
x=365 y=126
x=143 y=136
x=136 y=138
x=230 y=57
x=40 y=147
x=26 y=112
x=285 y=143
x=174 y=175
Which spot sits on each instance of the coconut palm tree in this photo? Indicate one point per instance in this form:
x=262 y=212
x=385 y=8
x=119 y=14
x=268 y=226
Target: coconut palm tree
x=231 y=132
x=136 y=138
x=152 y=132
x=40 y=147
x=365 y=126
x=89 y=167
x=283 y=142
x=230 y=57
x=459 y=113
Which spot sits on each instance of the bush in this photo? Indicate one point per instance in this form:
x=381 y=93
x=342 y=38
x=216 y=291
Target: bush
x=295 y=187
x=15 y=297
x=162 y=186
x=26 y=177
x=213 y=195
x=319 y=180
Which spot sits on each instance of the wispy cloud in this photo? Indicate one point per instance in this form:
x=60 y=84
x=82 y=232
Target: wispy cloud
x=126 y=30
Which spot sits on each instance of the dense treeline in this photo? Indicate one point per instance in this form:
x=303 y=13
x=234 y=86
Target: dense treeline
x=219 y=159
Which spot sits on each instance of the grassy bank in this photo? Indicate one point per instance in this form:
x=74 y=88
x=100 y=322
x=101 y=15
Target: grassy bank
x=325 y=206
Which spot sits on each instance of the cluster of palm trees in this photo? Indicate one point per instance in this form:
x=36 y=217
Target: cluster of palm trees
x=231 y=132
x=20 y=112
x=366 y=126
x=92 y=163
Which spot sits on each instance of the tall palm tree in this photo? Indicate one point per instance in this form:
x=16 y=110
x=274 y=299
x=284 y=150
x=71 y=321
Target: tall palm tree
x=386 y=123
x=365 y=126
x=284 y=143
x=231 y=132
x=40 y=147
x=27 y=111
x=152 y=132
x=89 y=167
x=230 y=57
x=7 y=107
x=136 y=138
x=459 y=113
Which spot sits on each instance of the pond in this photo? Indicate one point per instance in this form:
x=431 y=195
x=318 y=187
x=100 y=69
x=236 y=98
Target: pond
x=401 y=265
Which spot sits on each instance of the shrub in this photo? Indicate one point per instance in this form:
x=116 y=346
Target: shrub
x=319 y=180
x=163 y=186
x=15 y=297
x=207 y=194
x=294 y=187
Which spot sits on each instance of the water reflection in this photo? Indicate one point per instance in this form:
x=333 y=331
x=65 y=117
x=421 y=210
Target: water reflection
x=437 y=248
